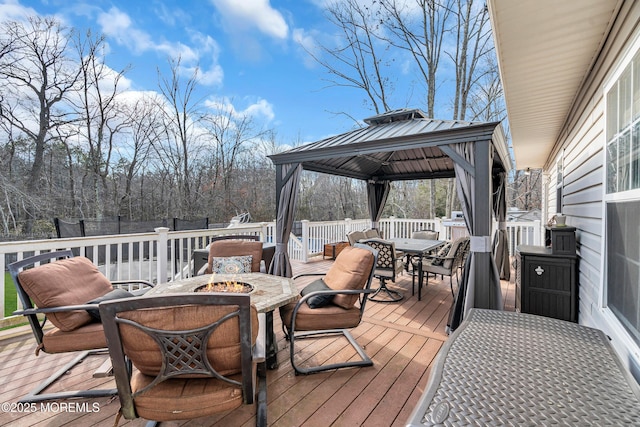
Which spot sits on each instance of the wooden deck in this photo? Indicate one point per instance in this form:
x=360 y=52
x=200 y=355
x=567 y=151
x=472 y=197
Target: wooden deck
x=402 y=339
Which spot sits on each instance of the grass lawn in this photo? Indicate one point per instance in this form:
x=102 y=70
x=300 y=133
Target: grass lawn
x=10 y=295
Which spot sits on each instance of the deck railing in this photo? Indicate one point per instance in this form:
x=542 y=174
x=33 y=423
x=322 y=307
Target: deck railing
x=166 y=255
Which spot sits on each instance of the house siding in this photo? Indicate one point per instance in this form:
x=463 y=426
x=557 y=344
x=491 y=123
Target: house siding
x=582 y=147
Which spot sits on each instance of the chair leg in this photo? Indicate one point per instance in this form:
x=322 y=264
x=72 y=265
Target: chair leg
x=364 y=359
x=393 y=296
x=261 y=409
x=35 y=396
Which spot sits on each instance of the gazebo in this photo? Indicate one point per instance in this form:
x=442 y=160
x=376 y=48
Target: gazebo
x=406 y=145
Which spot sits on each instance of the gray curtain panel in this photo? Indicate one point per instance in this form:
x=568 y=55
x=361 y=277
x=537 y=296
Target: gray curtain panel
x=290 y=179
x=500 y=240
x=377 y=193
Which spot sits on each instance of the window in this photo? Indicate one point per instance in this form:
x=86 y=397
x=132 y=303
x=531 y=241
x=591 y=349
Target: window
x=622 y=198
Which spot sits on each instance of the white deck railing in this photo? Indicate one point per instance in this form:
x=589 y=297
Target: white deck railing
x=166 y=255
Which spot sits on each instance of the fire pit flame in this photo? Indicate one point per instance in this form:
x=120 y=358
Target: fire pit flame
x=232 y=285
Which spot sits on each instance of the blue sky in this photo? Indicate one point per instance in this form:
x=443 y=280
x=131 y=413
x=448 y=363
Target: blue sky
x=249 y=52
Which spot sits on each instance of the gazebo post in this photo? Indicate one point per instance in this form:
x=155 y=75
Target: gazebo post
x=482 y=213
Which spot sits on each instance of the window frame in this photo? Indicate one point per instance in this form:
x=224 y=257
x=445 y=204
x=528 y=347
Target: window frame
x=631 y=56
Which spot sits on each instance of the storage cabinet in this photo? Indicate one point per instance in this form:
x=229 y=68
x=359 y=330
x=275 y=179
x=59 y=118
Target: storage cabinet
x=546 y=283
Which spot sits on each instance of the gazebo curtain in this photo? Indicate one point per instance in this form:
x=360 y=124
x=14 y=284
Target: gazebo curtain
x=287 y=202
x=500 y=240
x=466 y=188
x=377 y=193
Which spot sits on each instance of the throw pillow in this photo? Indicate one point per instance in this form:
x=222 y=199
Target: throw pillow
x=70 y=281
x=317 y=301
x=232 y=264
x=443 y=252
x=117 y=293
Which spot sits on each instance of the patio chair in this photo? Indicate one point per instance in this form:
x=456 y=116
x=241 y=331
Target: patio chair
x=425 y=234
x=65 y=290
x=355 y=236
x=446 y=262
x=389 y=265
x=372 y=233
x=233 y=255
x=194 y=355
x=331 y=306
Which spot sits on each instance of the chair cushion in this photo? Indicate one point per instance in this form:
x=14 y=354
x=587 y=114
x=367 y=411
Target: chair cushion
x=350 y=270
x=181 y=398
x=328 y=317
x=317 y=301
x=69 y=281
x=223 y=347
x=231 y=264
x=116 y=293
x=227 y=248
x=87 y=337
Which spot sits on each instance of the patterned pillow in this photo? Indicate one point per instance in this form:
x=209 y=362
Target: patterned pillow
x=232 y=264
x=443 y=252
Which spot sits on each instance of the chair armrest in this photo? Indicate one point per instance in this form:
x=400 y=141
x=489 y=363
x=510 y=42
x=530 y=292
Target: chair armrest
x=260 y=349
x=308 y=275
x=62 y=308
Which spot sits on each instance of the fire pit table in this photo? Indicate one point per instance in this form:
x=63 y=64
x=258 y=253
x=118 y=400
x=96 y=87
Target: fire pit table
x=269 y=292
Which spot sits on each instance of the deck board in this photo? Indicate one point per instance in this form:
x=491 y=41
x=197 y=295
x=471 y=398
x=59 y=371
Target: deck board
x=402 y=339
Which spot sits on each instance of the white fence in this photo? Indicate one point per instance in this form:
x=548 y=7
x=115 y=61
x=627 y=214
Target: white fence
x=163 y=255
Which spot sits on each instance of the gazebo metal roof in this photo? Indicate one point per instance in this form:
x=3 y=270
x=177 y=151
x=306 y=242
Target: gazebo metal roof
x=398 y=145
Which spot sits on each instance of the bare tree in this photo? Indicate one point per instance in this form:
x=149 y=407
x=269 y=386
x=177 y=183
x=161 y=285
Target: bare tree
x=182 y=115
x=231 y=135
x=35 y=78
x=99 y=114
x=360 y=61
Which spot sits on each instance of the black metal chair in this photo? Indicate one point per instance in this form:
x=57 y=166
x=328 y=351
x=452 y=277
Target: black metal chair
x=389 y=264
x=445 y=264
x=194 y=355
x=57 y=287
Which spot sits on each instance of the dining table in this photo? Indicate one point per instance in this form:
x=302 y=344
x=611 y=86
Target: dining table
x=267 y=293
x=418 y=248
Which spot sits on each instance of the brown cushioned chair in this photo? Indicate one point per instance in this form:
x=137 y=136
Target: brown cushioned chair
x=59 y=290
x=193 y=355
x=234 y=248
x=344 y=289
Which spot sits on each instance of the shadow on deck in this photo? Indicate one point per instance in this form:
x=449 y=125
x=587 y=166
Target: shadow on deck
x=402 y=339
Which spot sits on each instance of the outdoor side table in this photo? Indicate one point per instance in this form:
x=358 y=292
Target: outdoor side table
x=507 y=368
x=331 y=250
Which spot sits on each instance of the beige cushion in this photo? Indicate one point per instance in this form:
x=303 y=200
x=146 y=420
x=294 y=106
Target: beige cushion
x=180 y=399
x=69 y=281
x=228 y=248
x=86 y=337
x=223 y=348
x=328 y=317
x=350 y=270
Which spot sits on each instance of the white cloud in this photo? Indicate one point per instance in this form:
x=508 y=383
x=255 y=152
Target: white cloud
x=253 y=13
x=12 y=10
x=260 y=109
x=119 y=26
x=308 y=46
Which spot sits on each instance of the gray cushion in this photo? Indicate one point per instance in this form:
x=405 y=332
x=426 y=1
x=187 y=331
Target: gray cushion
x=317 y=301
x=117 y=293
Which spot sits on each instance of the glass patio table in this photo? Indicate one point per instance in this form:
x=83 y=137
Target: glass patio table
x=418 y=247
x=269 y=292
